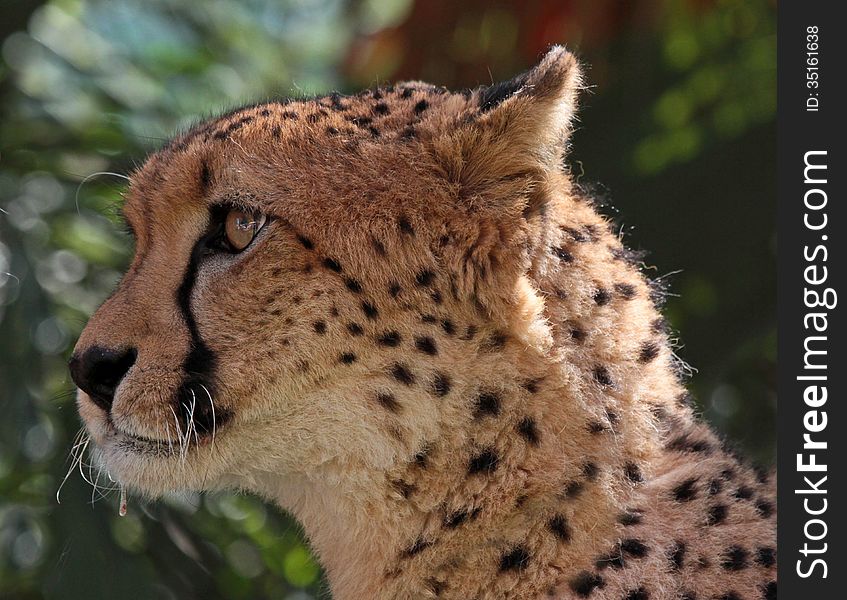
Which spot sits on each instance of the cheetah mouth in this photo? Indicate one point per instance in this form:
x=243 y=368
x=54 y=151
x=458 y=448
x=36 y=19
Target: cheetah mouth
x=139 y=444
x=186 y=438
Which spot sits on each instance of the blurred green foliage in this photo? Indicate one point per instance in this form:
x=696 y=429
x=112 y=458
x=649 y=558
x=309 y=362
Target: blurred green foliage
x=679 y=125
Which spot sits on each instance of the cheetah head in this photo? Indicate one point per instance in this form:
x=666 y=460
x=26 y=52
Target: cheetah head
x=311 y=276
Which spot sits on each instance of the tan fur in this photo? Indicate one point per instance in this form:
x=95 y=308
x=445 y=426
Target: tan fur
x=523 y=404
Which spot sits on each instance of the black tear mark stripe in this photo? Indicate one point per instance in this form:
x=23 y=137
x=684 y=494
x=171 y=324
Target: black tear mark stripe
x=200 y=364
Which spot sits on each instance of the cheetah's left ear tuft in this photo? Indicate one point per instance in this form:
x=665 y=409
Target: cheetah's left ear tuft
x=521 y=127
x=552 y=84
x=535 y=110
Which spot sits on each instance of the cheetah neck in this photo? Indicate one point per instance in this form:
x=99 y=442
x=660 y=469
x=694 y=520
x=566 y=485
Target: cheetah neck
x=433 y=526
x=536 y=450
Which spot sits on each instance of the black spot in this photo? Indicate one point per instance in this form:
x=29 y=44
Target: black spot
x=428 y=318
x=389 y=338
x=388 y=400
x=630 y=518
x=407 y=92
x=585 y=583
x=743 y=493
x=436 y=297
x=435 y=586
x=305 y=242
x=422 y=457
x=319 y=327
x=590 y=470
x=353 y=285
x=370 y=310
x=735 y=558
x=577 y=334
x=559 y=526
x=684 y=443
x=716 y=514
x=495 y=341
x=332 y=265
x=633 y=472
x=766 y=556
x=425 y=278
x=638 y=594
x=597 y=427
x=729 y=596
x=441 y=385
x=715 y=487
x=487 y=404
x=332 y=131
x=394 y=289
x=288 y=114
x=448 y=327
x=769 y=591
x=359 y=121
x=347 y=358
x=405 y=226
x=635 y=548
x=455 y=519
x=601 y=376
x=402 y=374
x=470 y=332
x=404 y=488
x=685 y=491
x=529 y=430
x=601 y=297
x=379 y=247
x=418 y=546
x=205 y=177
x=487 y=460
x=676 y=555
x=335 y=102
x=573 y=489
x=531 y=385
x=563 y=255
x=516 y=559
x=574 y=234
x=354 y=329
x=648 y=351
x=381 y=108
x=421 y=106
x=764 y=508
x=426 y=345
x=625 y=290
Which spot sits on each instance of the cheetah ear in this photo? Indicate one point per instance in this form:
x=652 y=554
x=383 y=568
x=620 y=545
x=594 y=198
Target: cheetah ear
x=520 y=127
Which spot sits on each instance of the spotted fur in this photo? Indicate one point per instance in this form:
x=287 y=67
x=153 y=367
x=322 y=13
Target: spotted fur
x=437 y=355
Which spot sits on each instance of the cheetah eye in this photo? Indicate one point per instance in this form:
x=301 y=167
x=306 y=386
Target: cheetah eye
x=240 y=228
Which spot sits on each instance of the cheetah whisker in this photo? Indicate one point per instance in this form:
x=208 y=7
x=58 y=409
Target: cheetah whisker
x=87 y=178
x=80 y=439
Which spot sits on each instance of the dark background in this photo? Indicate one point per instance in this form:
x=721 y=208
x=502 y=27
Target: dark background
x=677 y=134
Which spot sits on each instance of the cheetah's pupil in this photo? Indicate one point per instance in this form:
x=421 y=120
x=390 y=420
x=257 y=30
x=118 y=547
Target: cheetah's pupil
x=241 y=227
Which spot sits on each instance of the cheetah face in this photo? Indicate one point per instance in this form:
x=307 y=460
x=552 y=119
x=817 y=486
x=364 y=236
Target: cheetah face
x=286 y=254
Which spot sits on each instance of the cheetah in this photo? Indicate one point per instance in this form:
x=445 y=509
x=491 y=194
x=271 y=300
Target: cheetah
x=396 y=316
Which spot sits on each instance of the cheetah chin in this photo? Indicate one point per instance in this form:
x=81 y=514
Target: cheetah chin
x=396 y=316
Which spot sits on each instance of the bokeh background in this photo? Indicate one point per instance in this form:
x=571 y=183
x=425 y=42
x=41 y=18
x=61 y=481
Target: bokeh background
x=677 y=135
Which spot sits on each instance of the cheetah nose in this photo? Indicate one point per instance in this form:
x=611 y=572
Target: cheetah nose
x=98 y=371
